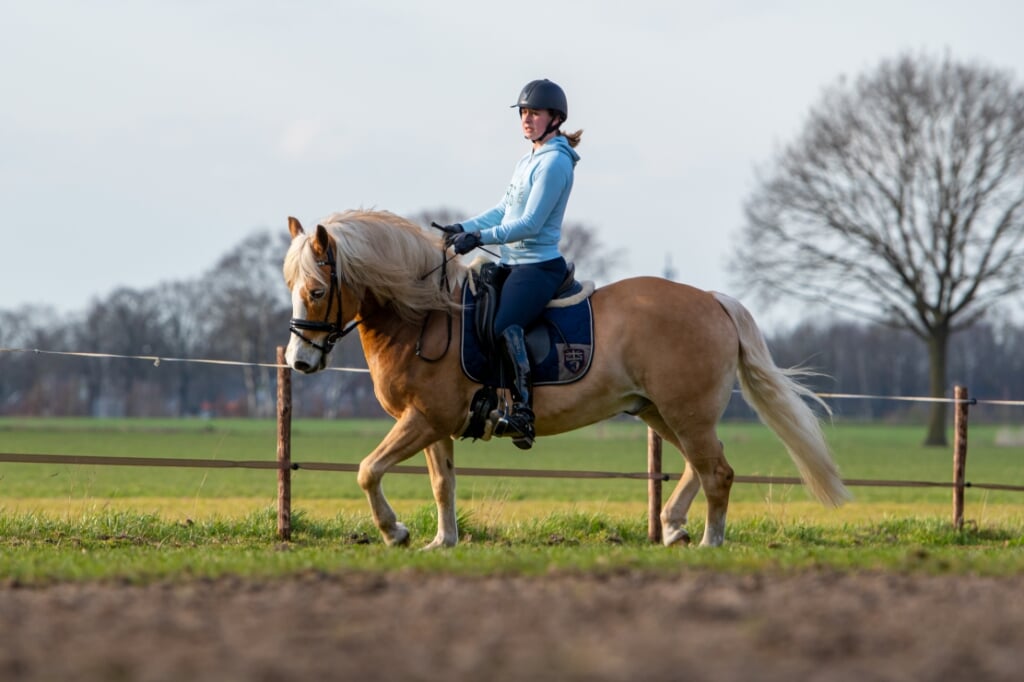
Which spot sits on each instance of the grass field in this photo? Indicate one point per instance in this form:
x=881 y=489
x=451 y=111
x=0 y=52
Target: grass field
x=66 y=522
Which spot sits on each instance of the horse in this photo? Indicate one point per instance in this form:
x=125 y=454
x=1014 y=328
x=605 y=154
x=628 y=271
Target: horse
x=665 y=352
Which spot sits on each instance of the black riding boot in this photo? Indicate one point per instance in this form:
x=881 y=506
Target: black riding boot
x=518 y=424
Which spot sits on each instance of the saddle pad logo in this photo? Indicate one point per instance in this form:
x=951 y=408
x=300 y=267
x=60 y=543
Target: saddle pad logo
x=574 y=359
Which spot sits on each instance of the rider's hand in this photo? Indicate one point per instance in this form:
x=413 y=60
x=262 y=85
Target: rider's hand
x=450 y=232
x=464 y=242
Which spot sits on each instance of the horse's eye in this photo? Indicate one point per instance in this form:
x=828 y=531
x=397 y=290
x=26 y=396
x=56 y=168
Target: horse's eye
x=317 y=294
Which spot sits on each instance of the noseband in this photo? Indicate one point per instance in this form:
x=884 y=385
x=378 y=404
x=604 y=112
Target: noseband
x=333 y=327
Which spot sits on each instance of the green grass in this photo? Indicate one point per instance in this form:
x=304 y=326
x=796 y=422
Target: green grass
x=137 y=547
x=64 y=522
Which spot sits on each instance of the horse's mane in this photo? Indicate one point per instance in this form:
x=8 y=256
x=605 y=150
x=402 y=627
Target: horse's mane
x=387 y=256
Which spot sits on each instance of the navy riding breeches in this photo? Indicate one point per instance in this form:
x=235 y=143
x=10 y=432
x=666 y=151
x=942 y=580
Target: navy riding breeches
x=526 y=292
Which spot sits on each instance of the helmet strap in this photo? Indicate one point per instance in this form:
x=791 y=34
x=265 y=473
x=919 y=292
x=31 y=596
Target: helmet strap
x=555 y=122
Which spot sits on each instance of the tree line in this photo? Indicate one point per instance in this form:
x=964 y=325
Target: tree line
x=239 y=310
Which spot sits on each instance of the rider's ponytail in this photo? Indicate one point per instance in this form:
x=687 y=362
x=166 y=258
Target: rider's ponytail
x=574 y=138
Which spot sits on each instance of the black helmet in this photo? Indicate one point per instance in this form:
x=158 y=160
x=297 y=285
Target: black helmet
x=543 y=94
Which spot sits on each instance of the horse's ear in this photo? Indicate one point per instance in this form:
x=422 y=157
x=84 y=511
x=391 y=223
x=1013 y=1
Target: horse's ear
x=294 y=227
x=322 y=242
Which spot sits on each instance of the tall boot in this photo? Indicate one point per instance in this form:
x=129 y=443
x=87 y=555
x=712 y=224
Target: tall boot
x=518 y=424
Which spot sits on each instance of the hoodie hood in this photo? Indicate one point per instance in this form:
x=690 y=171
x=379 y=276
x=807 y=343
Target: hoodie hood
x=558 y=145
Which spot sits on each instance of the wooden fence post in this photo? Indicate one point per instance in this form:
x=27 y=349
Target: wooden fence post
x=284 y=448
x=653 y=486
x=959 y=454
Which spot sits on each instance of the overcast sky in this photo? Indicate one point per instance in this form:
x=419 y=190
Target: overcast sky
x=141 y=140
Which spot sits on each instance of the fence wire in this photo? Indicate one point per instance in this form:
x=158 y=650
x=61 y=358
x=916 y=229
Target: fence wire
x=97 y=460
x=100 y=460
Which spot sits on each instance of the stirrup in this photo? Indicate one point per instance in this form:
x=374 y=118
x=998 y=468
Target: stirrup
x=518 y=426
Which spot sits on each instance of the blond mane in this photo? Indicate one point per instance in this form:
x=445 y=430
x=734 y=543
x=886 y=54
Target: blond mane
x=386 y=256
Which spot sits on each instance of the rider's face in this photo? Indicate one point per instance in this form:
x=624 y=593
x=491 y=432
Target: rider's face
x=535 y=122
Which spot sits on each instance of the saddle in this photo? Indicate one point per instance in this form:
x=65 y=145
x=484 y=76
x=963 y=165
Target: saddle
x=560 y=344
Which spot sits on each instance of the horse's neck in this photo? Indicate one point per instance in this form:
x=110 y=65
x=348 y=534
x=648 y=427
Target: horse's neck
x=383 y=333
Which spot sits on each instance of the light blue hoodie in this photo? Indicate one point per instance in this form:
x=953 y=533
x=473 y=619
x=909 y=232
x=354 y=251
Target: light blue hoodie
x=527 y=222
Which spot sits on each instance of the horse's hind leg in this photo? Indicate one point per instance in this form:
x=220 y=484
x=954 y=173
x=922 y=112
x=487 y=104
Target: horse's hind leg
x=705 y=467
x=441 y=465
x=705 y=456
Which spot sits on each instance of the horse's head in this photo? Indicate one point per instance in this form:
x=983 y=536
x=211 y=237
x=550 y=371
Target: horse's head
x=322 y=309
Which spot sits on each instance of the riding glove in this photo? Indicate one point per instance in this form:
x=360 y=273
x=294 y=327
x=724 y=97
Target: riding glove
x=464 y=242
x=450 y=232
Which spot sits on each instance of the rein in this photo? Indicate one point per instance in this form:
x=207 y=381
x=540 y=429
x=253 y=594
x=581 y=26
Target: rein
x=335 y=331
x=443 y=284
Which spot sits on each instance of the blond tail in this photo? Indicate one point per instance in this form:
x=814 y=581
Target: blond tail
x=778 y=400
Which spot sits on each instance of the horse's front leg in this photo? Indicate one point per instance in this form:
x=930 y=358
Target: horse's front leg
x=410 y=434
x=675 y=512
x=441 y=465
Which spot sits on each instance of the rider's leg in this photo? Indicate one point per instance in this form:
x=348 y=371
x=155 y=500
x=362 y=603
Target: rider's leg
x=517 y=424
x=524 y=295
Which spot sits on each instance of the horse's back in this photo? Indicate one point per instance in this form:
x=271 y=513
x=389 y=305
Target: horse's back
x=670 y=339
x=653 y=306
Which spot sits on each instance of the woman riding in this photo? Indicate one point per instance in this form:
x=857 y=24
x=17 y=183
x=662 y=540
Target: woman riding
x=527 y=223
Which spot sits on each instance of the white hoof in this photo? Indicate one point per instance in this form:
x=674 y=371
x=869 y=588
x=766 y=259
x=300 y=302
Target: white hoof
x=438 y=543
x=399 y=537
x=677 y=536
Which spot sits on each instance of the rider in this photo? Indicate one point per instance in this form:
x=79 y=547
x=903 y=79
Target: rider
x=527 y=223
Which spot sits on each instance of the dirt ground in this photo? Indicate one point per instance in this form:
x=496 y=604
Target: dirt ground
x=696 y=626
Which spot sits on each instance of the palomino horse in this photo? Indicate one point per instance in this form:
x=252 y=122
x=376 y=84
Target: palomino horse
x=665 y=352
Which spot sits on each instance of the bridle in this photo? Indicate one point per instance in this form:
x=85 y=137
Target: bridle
x=335 y=330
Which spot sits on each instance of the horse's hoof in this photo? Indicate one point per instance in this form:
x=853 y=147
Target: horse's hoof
x=437 y=543
x=399 y=538
x=676 y=537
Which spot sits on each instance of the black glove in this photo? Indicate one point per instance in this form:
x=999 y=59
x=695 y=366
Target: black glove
x=450 y=233
x=464 y=242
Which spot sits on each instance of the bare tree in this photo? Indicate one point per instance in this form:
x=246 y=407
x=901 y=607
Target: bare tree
x=185 y=332
x=902 y=202
x=34 y=384
x=581 y=245
x=443 y=215
x=123 y=323
x=248 y=311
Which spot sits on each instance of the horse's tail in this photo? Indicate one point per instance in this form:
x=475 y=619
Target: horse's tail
x=778 y=400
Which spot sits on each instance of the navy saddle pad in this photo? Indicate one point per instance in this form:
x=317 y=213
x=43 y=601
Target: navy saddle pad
x=560 y=345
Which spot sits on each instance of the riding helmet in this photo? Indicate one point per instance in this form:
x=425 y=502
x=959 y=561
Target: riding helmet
x=543 y=94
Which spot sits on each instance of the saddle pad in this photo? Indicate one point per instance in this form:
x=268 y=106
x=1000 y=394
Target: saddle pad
x=567 y=334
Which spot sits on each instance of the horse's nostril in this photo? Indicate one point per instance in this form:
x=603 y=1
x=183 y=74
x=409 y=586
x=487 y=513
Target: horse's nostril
x=303 y=366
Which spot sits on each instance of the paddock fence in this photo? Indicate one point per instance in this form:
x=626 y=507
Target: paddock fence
x=654 y=476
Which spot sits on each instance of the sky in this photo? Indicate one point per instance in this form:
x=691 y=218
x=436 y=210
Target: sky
x=141 y=140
